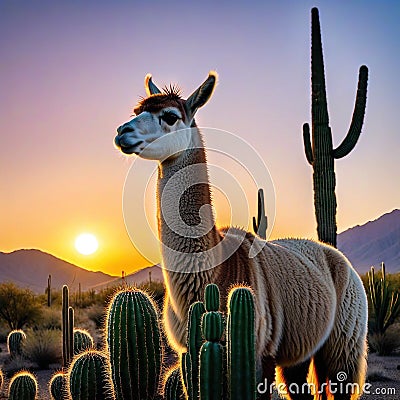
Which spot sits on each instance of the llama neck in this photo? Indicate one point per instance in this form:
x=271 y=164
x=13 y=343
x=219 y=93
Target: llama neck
x=185 y=216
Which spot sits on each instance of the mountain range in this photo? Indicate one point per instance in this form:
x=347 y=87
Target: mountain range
x=364 y=246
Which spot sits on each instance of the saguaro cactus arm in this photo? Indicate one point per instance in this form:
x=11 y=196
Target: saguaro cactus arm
x=358 y=116
x=260 y=225
x=307 y=143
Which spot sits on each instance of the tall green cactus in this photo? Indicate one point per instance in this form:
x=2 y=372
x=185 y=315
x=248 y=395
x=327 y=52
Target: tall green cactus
x=241 y=345
x=260 y=224
x=321 y=154
x=134 y=345
x=15 y=340
x=82 y=341
x=173 y=387
x=212 y=352
x=385 y=301
x=23 y=386
x=67 y=328
x=90 y=377
x=58 y=387
x=190 y=360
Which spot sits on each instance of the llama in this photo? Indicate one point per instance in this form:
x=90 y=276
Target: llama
x=311 y=308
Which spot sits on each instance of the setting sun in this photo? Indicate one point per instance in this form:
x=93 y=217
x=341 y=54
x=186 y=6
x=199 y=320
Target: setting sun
x=86 y=243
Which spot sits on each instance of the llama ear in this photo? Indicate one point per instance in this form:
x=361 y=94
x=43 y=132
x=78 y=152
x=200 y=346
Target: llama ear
x=150 y=87
x=200 y=96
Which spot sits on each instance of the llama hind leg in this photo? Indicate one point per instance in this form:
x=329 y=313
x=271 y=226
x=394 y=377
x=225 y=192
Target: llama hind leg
x=295 y=381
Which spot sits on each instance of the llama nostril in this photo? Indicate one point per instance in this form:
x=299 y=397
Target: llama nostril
x=124 y=129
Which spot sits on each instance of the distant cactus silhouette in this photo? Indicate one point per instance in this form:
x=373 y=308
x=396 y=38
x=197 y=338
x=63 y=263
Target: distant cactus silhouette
x=133 y=334
x=320 y=153
x=260 y=224
x=385 y=301
x=67 y=328
x=90 y=377
x=15 y=340
x=58 y=386
x=48 y=291
x=23 y=386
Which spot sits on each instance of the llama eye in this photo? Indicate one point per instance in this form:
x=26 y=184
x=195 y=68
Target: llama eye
x=169 y=118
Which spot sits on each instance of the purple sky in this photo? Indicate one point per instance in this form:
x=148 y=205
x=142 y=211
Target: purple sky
x=71 y=72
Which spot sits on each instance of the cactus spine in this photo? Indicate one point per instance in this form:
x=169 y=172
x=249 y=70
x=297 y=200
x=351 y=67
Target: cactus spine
x=190 y=360
x=321 y=154
x=89 y=377
x=134 y=345
x=67 y=328
x=58 y=386
x=211 y=352
x=15 y=340
x=260 y=225
x=173 y=387
x=385 y=302
x=82 y=341
x=23 y=386
x=241 y=345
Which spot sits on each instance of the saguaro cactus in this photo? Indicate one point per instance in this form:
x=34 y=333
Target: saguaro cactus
x=58 y=386
x=385 y=302
x=321 y=154
x=23 y=385
x=134 y=345
x=15 y=339
x=261 y=223
x=90 y=377
x=67 y=328
x=49 y=291
x=241 y=345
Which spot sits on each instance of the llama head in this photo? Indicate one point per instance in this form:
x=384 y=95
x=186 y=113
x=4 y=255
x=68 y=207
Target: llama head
x=162 y=124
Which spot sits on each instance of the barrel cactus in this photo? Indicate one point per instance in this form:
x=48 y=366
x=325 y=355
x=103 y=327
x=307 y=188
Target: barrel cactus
x=134 y=345
x=173 y=387
x=82 y=341
x=15 y=341
x=90 y=377
x=241 y=345
x=24 y=386
x=58 y=386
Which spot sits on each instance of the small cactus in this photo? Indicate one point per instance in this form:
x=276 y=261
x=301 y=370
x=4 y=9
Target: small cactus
x=23 y=386
x=58 y=388
x=134 y=345
x=241 y=345
x=173 y=387
x=212 y=352
x=15 y=341
x=82 y=341
x=90 y=377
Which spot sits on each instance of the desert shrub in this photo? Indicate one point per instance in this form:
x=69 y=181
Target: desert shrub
x=15 y=364
x=43 y=347
x=17 y=306
x=50 y=318
x=385 y=343
x=97 y=314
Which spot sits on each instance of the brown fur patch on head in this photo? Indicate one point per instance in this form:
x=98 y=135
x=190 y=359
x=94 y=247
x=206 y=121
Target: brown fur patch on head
x=156 y=102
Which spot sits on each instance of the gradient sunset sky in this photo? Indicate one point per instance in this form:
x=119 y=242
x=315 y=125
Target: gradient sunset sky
x=70 y=73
